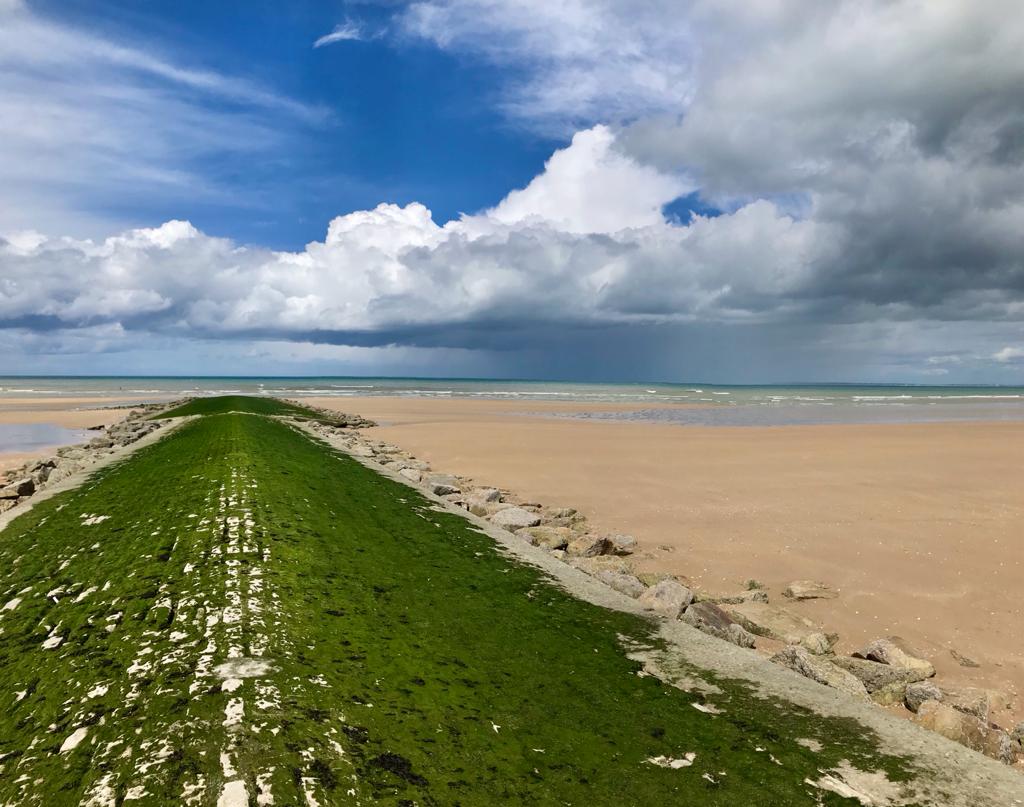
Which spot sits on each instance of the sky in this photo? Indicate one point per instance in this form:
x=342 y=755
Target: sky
x=735 y=191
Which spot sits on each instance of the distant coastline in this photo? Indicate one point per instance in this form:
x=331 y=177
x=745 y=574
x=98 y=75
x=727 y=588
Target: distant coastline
x=679 y=403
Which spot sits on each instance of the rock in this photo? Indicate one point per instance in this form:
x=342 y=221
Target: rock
x=890 y=694
x=515 y=518
x=486 y=494
x=819 y=669
x=548 y=537
x=20 y=487
x=7 y=504
x=962 y=660
x=975 y=701
x=1018 y=733
x=63 y=471
x=360 y=450
x=918 y=693
x=967 y=730
x=653 y=578
x=754 y=595
x=875 y=675
x=477 y=508
x=559 y=512
x=443 y=484
x=623 y=544
x=712 y=620
x=818 y=643
x=600 y=563
x=809 y=590
x=625 y=583
x=772 y=622
x=739 y=635
x=888 y=651
x=101 y=442
x=411 y=474
x=588 y=546
x=668 y=598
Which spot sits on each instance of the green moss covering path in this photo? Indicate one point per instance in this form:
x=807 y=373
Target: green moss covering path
x=240 y=615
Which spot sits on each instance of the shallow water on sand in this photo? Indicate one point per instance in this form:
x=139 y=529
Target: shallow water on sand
x=20 y=437
x=794 y=414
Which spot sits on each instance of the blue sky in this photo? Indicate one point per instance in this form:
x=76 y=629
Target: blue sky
x=401 y=120
x=600 y=189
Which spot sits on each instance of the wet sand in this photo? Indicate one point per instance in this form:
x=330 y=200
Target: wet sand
x=917 y=525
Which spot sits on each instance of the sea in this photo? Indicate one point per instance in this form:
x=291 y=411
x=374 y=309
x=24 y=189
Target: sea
x=706 y=404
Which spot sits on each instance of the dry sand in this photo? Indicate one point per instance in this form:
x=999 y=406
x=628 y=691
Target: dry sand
x=919 y=526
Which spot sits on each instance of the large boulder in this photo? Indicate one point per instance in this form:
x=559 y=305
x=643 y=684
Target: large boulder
x=17 y=488
x=588 y=546
x=712 y=620
x=875 y=675
x=772 y=622
x=893 y=652
x=809 y=590
x=919 y=692
x=515 y=518
x=819 y=669
x=967 y=730
x=667 y=598
x=548 y=538
x=975 y=700
x=625 y=583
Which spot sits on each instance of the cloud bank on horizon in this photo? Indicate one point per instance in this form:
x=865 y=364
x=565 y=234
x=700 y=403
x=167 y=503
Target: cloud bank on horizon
x=862 y=165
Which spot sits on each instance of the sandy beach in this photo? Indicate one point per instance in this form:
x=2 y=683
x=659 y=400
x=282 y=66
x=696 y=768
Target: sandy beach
x=917 y=525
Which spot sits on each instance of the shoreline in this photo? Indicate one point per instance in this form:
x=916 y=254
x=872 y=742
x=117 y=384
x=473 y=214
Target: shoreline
x=915 y=549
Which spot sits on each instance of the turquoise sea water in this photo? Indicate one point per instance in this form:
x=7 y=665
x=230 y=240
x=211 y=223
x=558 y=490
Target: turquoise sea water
x=714 y=404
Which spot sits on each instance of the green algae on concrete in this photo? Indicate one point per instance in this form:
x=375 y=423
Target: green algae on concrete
x=240 y=613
